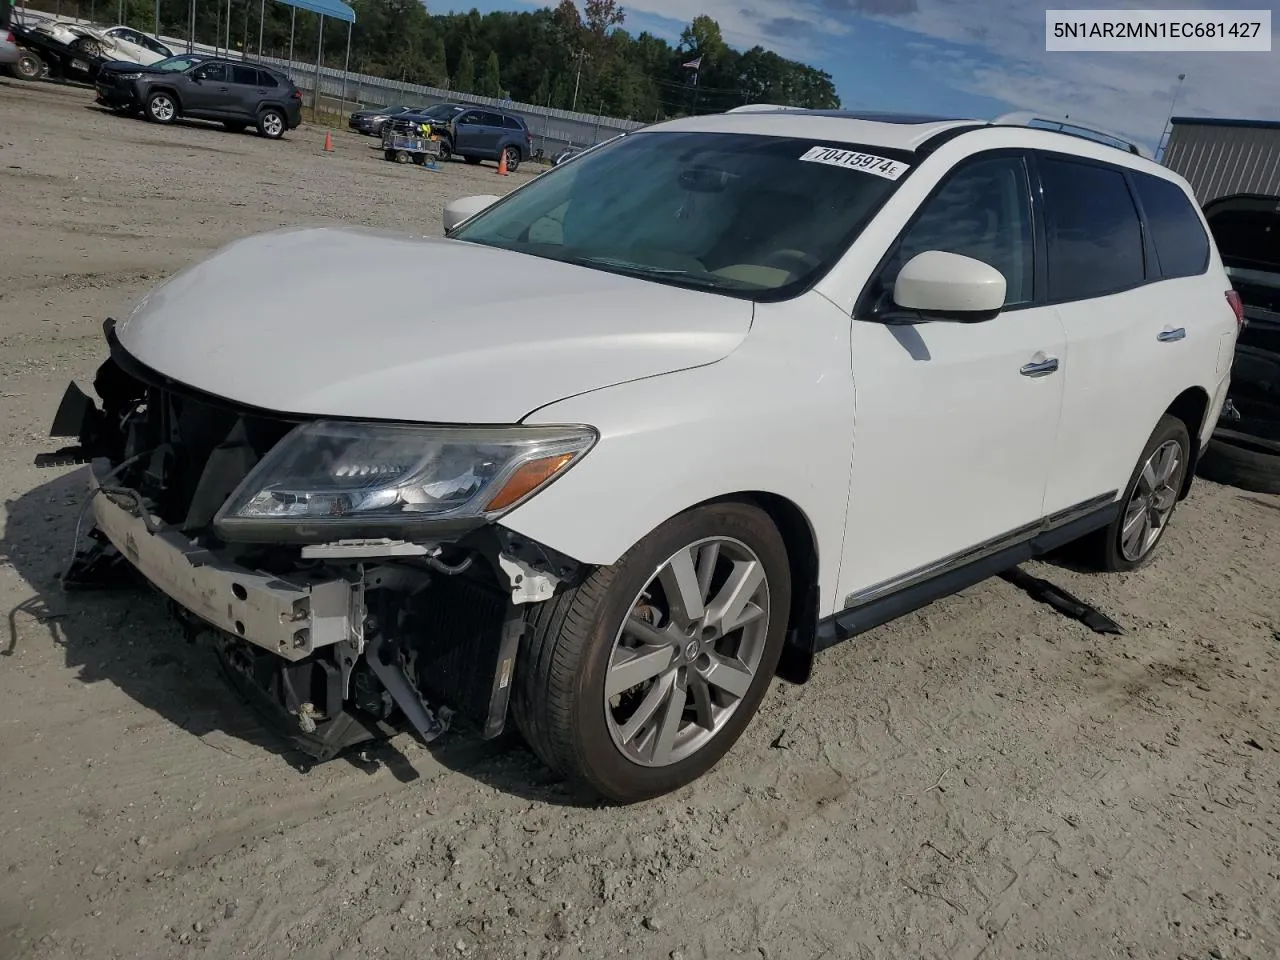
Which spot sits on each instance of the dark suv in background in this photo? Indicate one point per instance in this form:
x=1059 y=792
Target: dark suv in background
x=473 y=133
x=204 y=88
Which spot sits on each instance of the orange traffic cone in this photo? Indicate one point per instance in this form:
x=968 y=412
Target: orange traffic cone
x=502 y=164
x=328 y=142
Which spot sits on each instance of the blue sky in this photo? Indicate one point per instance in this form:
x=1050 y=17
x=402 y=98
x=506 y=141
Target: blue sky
x=974 y=57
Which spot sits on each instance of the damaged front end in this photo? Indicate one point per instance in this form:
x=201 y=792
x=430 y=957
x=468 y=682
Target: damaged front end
x=351 y=576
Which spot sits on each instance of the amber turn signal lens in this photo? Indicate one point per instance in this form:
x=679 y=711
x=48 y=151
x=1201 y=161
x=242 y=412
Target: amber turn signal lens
x=528 y=478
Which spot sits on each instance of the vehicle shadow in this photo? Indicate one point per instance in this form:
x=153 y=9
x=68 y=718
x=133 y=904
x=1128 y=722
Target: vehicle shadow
x=126 y=636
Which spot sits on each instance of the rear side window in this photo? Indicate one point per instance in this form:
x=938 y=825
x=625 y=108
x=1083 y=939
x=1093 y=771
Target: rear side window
x=266 y=80
x=511 y=123
x=1182 y=246
x=491 y=120
x=245 y=75
x=1095 y=238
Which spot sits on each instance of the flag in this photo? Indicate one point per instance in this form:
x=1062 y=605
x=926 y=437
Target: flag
x=693 y=64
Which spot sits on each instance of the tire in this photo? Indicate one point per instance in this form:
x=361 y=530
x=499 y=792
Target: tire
x=1107 y=550
x=1241 y=461
x=28 y=67
x=388 y=154
x=559 y=702
x=272 y=123
x=88 y=48
x=162 y=107
x=513 y=158
x=446 y=151
x=234 y=126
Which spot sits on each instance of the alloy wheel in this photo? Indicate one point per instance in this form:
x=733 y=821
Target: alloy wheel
x=162 y=108
x=1153 y=499
x=272 y=125
x=687 y=652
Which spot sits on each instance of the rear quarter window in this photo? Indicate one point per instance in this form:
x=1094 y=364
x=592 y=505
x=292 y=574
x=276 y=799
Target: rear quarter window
x=1182 y=246
x=1095 y=237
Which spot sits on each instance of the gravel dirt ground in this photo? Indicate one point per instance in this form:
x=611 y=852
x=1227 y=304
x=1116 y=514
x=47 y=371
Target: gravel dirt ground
x=984 y=778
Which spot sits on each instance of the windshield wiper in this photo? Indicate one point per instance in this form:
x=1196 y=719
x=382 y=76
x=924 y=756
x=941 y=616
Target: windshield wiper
x=644 y=270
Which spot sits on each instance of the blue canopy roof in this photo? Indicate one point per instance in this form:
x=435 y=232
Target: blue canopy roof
x=328 y=8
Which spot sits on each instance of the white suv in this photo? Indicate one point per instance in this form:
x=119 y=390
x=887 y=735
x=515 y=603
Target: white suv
x=707 y=399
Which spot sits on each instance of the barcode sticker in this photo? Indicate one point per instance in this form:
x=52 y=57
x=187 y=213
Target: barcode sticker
x=852 y=160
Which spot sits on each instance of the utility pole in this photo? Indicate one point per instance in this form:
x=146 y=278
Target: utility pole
x=581 y=54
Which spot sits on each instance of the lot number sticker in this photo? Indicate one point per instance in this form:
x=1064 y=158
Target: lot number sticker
x=851 y=160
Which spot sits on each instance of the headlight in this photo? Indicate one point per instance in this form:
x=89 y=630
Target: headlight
x=332 y=479
x=129 y=76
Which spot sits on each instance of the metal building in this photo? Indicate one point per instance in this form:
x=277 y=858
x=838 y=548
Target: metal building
x=1224 y=157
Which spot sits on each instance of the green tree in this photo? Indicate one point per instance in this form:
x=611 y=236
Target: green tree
x=464 y=77
x=490 y=84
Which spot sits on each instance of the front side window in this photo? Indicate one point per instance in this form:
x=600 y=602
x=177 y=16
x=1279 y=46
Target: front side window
x=983 y=211
x=1095 y=238
x=213 y=73
x=738 y=213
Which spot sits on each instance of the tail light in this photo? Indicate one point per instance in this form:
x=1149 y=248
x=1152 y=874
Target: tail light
x=1237 y=307
x=297 y=94
x=11 y=38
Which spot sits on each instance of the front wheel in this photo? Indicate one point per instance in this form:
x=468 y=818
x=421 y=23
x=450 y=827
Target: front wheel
x=161 y=107
x=639 y=680
x=1148 y=503
x=271 y=123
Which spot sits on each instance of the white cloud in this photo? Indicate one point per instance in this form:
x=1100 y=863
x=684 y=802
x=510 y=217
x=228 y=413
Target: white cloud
x=996 y=48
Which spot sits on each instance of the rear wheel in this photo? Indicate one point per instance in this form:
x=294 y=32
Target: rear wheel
x=28 y=67
x=1148 y=503
x=640 y=679
x=162 y=107
x=271 y=123
x=513 y=158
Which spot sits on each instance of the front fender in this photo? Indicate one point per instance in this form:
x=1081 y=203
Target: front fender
x=776 y=417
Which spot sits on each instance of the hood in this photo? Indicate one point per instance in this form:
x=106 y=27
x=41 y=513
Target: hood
x=348 y=322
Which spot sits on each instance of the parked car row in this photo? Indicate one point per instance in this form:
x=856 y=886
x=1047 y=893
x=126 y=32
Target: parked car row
x=473 y=134
x=232 y=92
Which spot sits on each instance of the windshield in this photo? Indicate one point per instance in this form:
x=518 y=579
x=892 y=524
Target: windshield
x=176 y=64
x=748 y=215
x=441 y=111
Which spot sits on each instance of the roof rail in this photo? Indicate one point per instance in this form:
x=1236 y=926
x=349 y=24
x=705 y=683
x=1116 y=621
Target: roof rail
x=1025 y=118
x=763 y=108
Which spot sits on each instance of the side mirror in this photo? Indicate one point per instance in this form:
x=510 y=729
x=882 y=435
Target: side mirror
x=465 y=209
x=950 y=287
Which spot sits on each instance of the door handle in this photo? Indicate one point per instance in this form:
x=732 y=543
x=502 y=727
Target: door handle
x=1168 y=336
x=1041 y=369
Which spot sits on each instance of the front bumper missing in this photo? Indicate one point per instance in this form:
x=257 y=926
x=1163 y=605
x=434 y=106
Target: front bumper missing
x=291 y=617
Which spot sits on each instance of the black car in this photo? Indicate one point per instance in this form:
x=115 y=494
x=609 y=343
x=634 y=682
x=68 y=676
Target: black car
x=474 y=133
x=204 y=88
x=370 y=121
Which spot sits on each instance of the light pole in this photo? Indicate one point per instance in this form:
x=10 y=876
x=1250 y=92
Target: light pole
x=578 y=81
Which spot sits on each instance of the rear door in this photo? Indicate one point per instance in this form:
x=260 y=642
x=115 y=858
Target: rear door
x=246 y=92
x=1136 y=338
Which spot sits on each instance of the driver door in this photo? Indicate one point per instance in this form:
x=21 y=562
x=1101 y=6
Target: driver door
x=956 y=422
